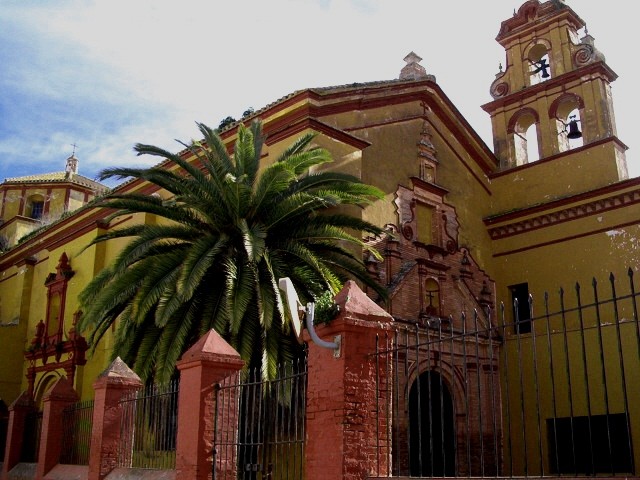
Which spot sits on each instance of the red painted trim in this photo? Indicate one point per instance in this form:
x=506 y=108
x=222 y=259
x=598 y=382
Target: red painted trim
x=28 y=261
x=67 y=195
x=46 y=184
x=77 y=232
x=555 y=204
x=583 y=210
x=23 y=192
x=429 y=187
x=511 y=127
x=403 y=92
x=565 y=239
x=368 y=97
x=466 y=165
x=37 y=243
x=559 y=82
x=546 y=12
x=7 y=278
x=15 y=219
x=47 y=202
x=565 y=97
x=318 y=126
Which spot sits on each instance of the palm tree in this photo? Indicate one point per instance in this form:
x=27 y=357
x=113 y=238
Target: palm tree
x=225 y=237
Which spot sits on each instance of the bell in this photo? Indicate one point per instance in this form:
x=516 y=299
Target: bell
x=574 y=131
x=543 y=67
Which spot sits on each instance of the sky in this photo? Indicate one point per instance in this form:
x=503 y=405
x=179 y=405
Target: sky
x=104 y=75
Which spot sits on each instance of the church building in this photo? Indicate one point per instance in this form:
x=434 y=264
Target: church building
x=477 y=234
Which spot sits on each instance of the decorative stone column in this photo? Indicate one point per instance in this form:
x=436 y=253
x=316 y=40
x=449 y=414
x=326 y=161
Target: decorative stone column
x=60 y=396
x=111 y=386
x=18 y=412
x=346 y=440
x=204 y=365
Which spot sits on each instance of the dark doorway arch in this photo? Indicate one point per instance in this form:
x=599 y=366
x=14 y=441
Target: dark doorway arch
x=431 y=427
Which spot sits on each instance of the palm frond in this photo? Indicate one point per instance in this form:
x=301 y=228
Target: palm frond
x=214 y=252
x=297 y=146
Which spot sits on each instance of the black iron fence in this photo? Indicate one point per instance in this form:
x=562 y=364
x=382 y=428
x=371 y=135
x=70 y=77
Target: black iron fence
x=547 y=390
x=259 y=425
x=149 y=427
x=77 y=420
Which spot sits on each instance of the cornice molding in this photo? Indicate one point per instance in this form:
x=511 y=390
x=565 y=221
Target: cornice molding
x=575 y=212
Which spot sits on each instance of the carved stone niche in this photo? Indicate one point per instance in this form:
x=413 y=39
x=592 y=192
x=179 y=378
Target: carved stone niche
x=50 y=349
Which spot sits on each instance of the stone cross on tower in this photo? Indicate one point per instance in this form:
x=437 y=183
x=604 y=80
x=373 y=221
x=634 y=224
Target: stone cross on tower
x=72 y=163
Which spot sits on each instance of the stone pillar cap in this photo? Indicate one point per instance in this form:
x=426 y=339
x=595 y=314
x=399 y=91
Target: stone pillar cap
x=212 y=347
x=119 y=372
x=355 y=303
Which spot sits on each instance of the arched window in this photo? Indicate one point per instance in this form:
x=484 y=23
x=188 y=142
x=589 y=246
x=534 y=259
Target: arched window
x=566 y=111
x=539 y=65
x=524 y=134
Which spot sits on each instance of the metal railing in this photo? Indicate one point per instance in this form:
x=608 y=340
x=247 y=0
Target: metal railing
x=508 y=393
x=149 y=427
x=259 y=425
x=77 y=421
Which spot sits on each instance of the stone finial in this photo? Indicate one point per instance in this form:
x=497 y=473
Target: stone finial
x=413 y=70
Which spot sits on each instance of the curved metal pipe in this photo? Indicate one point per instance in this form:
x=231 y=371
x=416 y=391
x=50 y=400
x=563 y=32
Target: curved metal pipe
x=314 y=336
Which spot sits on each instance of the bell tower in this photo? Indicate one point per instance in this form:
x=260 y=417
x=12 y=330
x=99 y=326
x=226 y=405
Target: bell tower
x=553 y=97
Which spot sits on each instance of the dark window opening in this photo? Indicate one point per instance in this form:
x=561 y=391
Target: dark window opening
x=37 y=209
x=589 y=445
x=521 y=311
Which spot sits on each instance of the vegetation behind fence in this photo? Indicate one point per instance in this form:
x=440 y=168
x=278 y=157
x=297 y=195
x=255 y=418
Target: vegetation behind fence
x=77 y=420
x=148 y=427
x=265 y=438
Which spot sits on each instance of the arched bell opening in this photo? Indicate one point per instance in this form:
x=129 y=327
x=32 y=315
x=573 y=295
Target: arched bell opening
x=539 y=64
x=569 y=126
x=524 y=137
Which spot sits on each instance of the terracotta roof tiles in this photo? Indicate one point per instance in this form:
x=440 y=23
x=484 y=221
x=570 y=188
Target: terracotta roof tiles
x=58 y=177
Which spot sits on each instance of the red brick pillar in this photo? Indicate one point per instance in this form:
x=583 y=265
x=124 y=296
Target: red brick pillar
x=111 y=386
x=18 y=411
x=341 y=442
x=208 y=362
x=60 y=396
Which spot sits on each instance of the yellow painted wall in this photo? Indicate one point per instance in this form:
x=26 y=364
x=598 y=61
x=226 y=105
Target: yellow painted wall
x=392 y=158
x=548 y=259
x=85 y=265
x=15 y=291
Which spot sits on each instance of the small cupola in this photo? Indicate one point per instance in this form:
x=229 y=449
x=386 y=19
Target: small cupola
x=72 y=165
